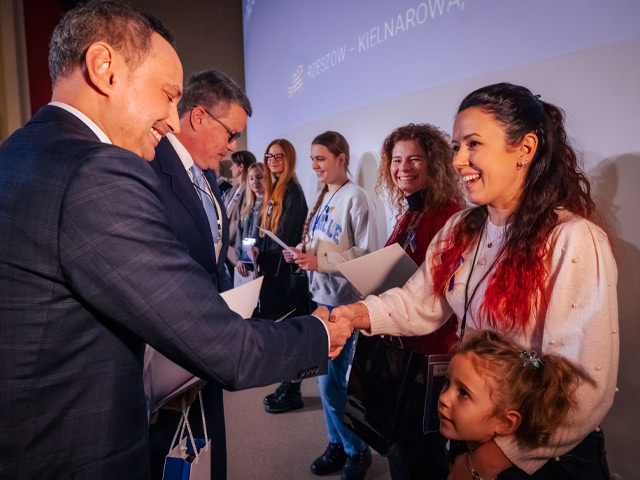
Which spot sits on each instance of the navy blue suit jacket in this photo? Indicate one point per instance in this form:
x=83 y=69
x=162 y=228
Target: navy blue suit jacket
x=90 y=271
x=187 y=216
x=191 y=227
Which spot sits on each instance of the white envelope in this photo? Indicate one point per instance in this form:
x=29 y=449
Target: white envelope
x=379 y=271
x=163 y=379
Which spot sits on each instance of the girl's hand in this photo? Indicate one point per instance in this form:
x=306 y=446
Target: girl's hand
x=242 y=269
x=307 y=261
x=288 y=256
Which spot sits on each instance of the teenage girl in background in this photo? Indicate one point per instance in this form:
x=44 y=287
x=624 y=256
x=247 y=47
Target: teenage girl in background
x=234 y=198
x=340 y=227
x=249 y=220
x=283 y=212
x=285 y=208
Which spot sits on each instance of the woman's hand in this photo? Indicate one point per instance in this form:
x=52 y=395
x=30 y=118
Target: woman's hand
x=307 y=261
x=252 y=253
x=290 y=257
x=242 y=269
x=356 y=313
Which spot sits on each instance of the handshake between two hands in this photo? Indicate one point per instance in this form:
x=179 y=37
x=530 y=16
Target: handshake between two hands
x=341 y=321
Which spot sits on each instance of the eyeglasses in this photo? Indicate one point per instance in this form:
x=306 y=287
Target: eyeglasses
x=233 y=136
x=278 y=157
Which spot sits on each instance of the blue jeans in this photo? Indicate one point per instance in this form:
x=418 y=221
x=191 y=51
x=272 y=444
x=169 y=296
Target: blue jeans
x=333 y=393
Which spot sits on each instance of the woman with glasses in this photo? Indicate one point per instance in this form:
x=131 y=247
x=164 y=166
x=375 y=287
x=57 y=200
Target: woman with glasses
x=283 y=213
x=285 y=208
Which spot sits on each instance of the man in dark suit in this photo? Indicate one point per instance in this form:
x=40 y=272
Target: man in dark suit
x=213 y=110
x=90 y=269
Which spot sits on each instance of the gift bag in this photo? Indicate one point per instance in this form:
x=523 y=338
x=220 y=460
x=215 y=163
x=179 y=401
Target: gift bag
x=190 y=458
x=390 y=382
x=283 y=293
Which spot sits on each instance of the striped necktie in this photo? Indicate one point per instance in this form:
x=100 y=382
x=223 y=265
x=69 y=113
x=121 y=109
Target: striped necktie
x=207 y=202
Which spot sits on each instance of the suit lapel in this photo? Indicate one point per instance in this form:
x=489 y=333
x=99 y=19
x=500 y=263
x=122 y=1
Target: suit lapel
x=171 y=165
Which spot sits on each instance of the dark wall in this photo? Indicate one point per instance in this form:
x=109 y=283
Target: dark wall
x=208 y=33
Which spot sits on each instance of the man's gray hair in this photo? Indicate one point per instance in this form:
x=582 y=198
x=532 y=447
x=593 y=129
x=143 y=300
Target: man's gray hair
x=127 y=29
x=215 y=91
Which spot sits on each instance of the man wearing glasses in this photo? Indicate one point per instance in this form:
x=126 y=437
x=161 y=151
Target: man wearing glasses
x=213 y=112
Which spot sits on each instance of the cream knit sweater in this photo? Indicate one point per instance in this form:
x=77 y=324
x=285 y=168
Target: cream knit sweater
x=580 y=323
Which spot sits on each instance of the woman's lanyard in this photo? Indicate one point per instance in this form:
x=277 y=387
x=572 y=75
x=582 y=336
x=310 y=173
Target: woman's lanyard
x=467 y=300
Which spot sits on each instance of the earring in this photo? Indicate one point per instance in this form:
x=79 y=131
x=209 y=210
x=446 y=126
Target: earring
x=521 y=165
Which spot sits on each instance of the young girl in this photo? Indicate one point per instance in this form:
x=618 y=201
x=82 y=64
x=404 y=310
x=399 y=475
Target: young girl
x=495 y=388
x=249 y=220
x=340 y=227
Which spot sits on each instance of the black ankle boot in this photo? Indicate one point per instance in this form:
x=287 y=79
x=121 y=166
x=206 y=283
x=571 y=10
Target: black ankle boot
x=284 y=386
x=289 y=398
x=356 y=466
x=332 y=460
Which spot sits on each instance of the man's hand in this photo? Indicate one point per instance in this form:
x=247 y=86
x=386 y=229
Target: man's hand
x=189 y=397
x=339 y=331
x=356 y=313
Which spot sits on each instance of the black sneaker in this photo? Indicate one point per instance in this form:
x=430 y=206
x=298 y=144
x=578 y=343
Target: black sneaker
x=356 y=466
x=331 y=461
x=284 y=386
x=288 y=399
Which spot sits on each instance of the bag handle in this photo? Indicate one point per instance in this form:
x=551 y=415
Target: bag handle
x=184 y=422
x=204 y=422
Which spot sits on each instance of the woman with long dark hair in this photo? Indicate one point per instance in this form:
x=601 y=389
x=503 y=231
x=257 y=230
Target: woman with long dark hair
x=528 y=263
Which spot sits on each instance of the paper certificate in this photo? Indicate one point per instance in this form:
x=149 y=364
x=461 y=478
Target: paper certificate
x=279 y=242
x=379 y=271
x=163 y=379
